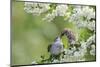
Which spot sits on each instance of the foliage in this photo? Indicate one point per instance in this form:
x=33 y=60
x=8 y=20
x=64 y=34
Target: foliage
x=40 y=23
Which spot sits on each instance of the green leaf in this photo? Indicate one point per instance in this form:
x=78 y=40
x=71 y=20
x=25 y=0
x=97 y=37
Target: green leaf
x=65 y=41
x=85 y=34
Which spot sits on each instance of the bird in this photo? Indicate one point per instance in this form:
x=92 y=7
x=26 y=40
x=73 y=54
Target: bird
x=56 y=48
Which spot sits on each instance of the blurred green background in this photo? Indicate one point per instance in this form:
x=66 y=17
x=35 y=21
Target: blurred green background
x=31 y=36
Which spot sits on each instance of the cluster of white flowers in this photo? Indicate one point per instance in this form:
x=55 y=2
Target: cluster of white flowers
x=82 y=50
x=92 y=51
x=59 y=11
x=77 y=53
x=49 y=17
x=39 y=8
x=36 y=8
x=90 y=40
x=83 y=16
x=91 y=44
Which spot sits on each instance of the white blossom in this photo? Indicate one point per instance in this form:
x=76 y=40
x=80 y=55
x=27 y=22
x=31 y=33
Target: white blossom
x=91 y=25
x=29 y=7
x=36 y=8
x=55 y=61
x=76 y=54
x=92 y=51
x=82 y=17
x=88 y=12
x=90 y=40
x=61 y=10
x=73 y=55
x=49 y=17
